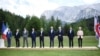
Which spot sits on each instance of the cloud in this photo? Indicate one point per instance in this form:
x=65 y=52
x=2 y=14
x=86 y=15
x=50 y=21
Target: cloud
x=89 y=1
x=37 y=7
x=27 y=7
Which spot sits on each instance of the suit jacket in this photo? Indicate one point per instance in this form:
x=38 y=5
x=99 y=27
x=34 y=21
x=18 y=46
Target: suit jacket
x=80 y=33
x=70 y=34
x=25 y=35
x=9 y=35
x=41 y=35
x=60 y=34
x=17 y=36
x=52 y=35
x=33 y=35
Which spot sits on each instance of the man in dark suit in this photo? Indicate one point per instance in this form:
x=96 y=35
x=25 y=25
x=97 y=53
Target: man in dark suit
x=41 y=38
x=17 y=37
x=9 y=35
x=33 y=36
x=70 y=36
x=60 y=37
x=52 y=35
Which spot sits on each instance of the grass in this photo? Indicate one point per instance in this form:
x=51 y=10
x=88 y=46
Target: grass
x=87 y=41
x=49 y=52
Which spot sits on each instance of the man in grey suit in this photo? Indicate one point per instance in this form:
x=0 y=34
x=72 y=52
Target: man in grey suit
x=25 y=36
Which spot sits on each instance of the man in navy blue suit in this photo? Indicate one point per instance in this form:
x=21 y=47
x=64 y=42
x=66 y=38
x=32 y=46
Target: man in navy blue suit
x=41 y=38
x=60 y=37
x=17 y=37
x=33 y=36
x=70 y=36
x=9 y=35
x=51 y=35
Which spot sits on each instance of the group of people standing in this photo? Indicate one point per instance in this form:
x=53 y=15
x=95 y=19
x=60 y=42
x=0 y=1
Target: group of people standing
x=52 y=34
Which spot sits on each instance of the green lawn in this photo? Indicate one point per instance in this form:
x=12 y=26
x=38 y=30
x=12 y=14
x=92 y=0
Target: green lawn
x=49 y=53
x=87 y=41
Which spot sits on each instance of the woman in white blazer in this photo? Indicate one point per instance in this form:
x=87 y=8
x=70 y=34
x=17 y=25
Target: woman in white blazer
x=80 y=36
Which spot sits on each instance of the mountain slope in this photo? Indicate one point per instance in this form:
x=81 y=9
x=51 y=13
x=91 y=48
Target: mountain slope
x=72 y=14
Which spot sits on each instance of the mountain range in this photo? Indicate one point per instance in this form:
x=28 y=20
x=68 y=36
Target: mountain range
x=73 y=14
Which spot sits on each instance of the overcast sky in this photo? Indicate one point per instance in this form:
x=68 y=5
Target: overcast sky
x=36 y=7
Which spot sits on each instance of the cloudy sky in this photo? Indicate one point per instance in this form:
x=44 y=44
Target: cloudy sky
x=37 y=7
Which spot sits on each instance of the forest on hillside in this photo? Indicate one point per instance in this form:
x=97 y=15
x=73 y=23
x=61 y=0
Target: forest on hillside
x=16 y=21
